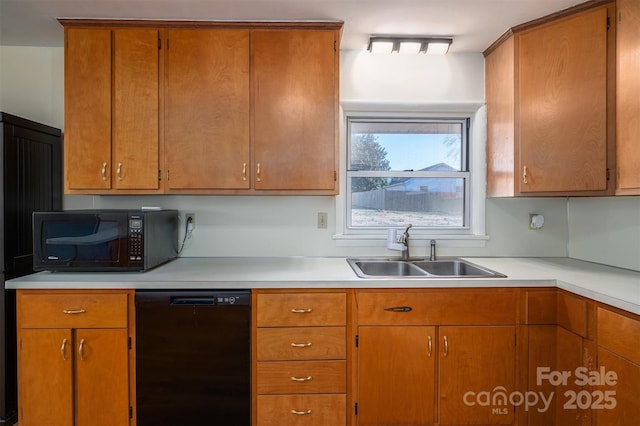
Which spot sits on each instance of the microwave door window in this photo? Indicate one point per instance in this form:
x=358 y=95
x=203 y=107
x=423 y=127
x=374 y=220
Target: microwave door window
x=90 y=241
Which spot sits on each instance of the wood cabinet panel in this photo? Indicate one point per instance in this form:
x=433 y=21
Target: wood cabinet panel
x=301 y=410
x=45 y=365
x=300 y=377
x=44 y=310
x=102 y=385
x=301 y=309
x=296 y=343
x=87 y=133
x=475 y=359
x=628 y=97
x=135 y=124
x=619 y=334
x=207 y=105
x=501 y=107
x=563 y=105
x=626 y=391
x=295 y=89
x=396 y=375
x=490 y=307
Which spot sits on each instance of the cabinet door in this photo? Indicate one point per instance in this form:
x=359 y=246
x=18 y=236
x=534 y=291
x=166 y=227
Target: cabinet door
x=475 y=360
x=628 y=96
x=396 y=375
x=621 y=405
x=135 y=121
x=563 y=105
x=87 y=113
x=102 y=371
x=45 y=362
x=295 y=109
x=207 y=109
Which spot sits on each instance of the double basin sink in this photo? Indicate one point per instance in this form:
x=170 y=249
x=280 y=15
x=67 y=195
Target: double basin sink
x=420 y=268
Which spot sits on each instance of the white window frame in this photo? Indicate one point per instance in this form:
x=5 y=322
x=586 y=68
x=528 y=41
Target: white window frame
x=473 y=234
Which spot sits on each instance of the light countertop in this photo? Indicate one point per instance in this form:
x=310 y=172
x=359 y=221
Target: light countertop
x=614 y=286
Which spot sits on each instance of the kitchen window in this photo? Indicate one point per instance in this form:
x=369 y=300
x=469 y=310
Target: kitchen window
x=408 y=170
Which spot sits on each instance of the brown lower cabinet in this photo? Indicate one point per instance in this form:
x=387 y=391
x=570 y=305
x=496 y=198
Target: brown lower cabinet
x=428 y=357
x=74 y=358
x=618 y=353
x=371 y=357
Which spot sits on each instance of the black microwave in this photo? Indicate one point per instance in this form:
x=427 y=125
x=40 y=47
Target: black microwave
x=104 y=240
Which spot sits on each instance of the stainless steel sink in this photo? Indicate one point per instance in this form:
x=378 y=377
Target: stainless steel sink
x=445 y=268
x=386 y=268
x=455 y=268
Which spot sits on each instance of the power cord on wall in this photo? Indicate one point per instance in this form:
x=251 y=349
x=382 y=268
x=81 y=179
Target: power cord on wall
x=188 y=231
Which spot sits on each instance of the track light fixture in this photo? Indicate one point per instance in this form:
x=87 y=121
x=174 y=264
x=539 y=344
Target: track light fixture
x=400 y=44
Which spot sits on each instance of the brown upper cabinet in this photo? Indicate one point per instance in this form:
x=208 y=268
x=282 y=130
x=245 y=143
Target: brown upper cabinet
x=199 y=107
x=111 y=110
x=628 y=98
x=550 y=97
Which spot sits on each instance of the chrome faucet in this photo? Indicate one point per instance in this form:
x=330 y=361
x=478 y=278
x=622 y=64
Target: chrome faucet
x=404 y=239
x=432 y=253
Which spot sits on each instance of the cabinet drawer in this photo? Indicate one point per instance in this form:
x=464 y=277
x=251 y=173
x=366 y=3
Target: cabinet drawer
x=64 y=310
x=447 y=308
x=302 y=410
x=300 y=343
x=301 y=309
x=302 y=377
x=619 y=334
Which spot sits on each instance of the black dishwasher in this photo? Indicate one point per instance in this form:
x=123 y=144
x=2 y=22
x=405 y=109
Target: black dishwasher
x=193 y=357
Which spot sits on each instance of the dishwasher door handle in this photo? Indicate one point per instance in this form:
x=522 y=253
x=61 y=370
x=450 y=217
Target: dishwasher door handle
x=177 y=300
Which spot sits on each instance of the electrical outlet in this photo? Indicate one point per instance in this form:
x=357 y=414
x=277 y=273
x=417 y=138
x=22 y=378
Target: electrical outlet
x=323 y=218
x=191 y=216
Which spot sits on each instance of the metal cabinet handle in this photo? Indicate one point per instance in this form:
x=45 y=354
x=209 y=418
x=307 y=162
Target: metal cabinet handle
x=446 y=346
x=104 y=171
x=74 y=311
x=81 y=349
x=301 y=345
x=524 y=175
x=429 y=346
x=244 y=171
x=301 y=311
x=399 y=309
x=258 y=173
x=301 y=413
x=63 y=349
x=301 y=379
x=119 y=171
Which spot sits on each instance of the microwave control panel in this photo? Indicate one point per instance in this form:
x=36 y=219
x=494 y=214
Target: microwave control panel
x=136 y=239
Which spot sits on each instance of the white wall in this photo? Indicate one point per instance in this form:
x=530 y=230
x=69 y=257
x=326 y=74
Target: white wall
x=31 y=84
x=605 y=230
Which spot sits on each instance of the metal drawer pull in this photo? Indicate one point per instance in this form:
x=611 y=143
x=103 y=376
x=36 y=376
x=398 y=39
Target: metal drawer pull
x=301 y=379
x=244 y=171
x=429 y=346
x=81 y=349
x=104 y=171
x=399 y=309
x=119 y=171
x=63 y=349
x=301 y=413
x=301 y=345
x=258 y=178
x=446 y=346
x=524 y=175
x=301 y=311
x=74 y=311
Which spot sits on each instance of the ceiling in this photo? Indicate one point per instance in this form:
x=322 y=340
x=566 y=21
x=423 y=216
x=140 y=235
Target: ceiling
x=473 y=24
